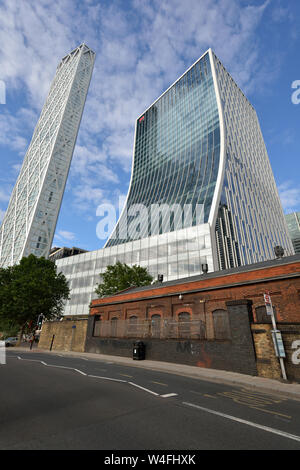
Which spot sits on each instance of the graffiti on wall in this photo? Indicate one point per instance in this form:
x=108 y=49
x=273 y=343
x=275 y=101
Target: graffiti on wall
x=197 y=350
x=296 y=353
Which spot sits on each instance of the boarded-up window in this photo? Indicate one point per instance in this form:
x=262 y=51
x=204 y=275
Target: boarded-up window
x=184 y=325
x=155 y=326
x=132 y=326
x=114 y=326
x=261 y=314
x=221 y=324
x=97 y=325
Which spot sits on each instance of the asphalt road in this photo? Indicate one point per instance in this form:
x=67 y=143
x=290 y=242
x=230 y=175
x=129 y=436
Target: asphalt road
x=49 y=401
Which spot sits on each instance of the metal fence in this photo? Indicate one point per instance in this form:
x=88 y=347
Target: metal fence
x=163 y=328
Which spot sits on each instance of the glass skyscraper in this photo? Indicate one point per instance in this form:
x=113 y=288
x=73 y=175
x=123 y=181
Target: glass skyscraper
x=201 y=186
x=30 y=220
x=293 y=223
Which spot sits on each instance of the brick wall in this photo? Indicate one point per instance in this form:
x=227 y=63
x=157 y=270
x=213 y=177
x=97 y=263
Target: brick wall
x=234 y=354
x=267 y=363
x=250 y=349
x=68 y=335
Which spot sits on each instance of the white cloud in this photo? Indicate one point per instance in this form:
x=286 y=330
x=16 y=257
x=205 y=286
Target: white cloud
x=140 y=51
x=63 y=235
x=4 y=196
x=290 y=196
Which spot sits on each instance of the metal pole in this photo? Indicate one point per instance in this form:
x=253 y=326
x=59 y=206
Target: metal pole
x=280 y=358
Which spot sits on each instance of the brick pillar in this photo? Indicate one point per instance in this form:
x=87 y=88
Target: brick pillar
x=240 y=318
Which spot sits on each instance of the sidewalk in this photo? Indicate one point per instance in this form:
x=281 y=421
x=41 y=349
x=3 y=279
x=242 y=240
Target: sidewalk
x=290 y=390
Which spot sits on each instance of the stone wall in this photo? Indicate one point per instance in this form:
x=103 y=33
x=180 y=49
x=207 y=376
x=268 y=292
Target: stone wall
x=267 y=363
x=68 y=335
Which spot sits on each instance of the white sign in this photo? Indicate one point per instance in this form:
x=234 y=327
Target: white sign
x=278 y=343
x=267 y=298
x=2 y=352
x=268 y=303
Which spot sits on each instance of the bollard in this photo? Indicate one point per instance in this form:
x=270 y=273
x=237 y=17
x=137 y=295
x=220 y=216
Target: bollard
x=52 y=342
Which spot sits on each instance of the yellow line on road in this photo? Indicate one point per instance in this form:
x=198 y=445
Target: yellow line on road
x=159 y=383
x=271 y=412
x=125 y=375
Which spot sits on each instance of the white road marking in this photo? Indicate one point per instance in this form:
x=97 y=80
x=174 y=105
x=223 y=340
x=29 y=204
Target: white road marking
x=80 y=372
x=31 y=360
x=248 y=423
x=107 y=378
x=167 y=395
x=145 y=389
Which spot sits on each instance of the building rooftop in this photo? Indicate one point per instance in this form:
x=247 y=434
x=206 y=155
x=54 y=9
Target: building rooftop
x=204 y=277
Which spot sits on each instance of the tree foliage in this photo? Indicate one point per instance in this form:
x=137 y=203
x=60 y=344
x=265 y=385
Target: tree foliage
x=121 y=276
x=31 y=288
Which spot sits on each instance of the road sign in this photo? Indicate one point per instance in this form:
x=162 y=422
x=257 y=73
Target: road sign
x=278 y=343
x=268 y=303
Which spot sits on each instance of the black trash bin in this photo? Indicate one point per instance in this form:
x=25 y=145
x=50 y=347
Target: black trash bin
x=138 y=352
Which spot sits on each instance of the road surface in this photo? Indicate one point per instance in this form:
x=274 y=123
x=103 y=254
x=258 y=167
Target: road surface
x=49 y=401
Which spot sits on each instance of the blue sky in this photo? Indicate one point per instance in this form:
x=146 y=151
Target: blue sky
x=142 y=47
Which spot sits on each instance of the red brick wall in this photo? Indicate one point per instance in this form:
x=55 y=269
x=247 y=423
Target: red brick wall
x=261 y=277
x=285 y=294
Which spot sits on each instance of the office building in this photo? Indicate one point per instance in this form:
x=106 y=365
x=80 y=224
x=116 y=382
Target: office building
x=30 y=220
x=202 y=189
x=293 y=223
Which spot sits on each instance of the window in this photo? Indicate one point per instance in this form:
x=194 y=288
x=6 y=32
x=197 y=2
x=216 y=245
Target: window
x=221 y=324
x=184 y=325
x=155 y=326
x=97 y=325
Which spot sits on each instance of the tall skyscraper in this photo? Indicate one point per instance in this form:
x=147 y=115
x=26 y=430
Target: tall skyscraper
x=30 y=220
x=293 y=223
x=198 y=146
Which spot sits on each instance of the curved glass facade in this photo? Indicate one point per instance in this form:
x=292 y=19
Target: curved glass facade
x=250 y=221
x=198 y=145
x=176 y=155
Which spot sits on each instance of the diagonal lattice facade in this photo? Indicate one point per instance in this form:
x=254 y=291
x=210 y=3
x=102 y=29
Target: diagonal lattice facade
x=30 y=220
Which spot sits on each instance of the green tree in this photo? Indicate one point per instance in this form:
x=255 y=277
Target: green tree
x=121 y=276
x=31 y=288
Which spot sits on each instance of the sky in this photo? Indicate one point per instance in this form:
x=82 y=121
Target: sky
x=141 y=48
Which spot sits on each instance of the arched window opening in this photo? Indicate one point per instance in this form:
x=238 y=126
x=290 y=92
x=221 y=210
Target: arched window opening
x=97 y=325
x=155 y=326
x=132 y=326
x=184 y=325
x=114 y=327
